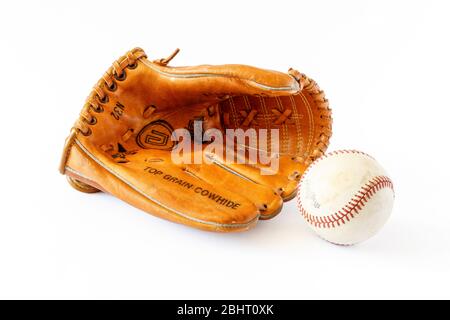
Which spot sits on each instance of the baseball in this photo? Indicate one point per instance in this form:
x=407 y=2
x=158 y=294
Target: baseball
x=345 y=196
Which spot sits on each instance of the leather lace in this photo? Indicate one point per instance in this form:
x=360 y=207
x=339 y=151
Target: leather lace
x=108 y=83
x=322 y=105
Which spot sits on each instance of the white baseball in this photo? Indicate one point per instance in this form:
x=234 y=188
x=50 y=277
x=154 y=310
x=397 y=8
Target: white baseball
x=345 y=196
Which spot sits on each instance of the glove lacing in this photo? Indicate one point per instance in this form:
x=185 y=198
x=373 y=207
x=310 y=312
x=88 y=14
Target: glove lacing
x=108 y=83
x=322 y=105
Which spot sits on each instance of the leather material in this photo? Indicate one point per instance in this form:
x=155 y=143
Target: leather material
x=121 y=143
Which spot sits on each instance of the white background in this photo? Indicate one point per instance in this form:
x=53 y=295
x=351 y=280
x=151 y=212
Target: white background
x=384 y=67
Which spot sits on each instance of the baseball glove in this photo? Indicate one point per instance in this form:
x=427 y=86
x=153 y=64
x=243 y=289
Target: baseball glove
x=126 y=136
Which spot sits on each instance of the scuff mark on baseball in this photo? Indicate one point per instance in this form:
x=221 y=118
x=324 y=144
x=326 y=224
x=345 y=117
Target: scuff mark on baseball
x=346 y=196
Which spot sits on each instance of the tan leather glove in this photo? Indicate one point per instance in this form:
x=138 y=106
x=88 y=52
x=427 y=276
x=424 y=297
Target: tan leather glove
x=121 y=144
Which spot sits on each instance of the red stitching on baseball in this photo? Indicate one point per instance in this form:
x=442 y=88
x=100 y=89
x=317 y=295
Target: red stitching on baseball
x=352 y=208
x=360 y=198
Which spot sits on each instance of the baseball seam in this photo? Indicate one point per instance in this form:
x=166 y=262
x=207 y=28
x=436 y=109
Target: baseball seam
x=352 y=208
x=356 y=203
